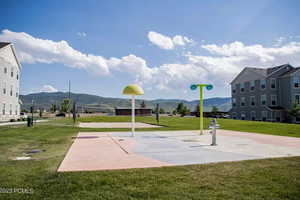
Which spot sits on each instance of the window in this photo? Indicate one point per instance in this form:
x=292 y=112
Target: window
x=17 y=92
x=243 y=116
x=17 y=76
x=253 y=115
x=273 y=100
x=264 y=115
x=233 y=102
x=16 y=111
x=243 y=101
x=3 y=109
x=273 y=83
x=12 y=72
x=10 y=109
x=5 y=70
x=297 y=99
x=296 y=82
x=4 y=88
x=234 y=115
x=278 y=118
x=11 y=90
x=252 y=85
x=242 y=87
x=262 y=84
x=233 y=88
x=263 y=99
x=252 y=100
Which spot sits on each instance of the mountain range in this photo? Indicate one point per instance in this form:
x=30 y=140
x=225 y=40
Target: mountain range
x=108 y=104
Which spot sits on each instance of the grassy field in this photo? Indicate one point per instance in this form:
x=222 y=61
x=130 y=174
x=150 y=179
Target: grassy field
x=256 y=179
x=192 y=123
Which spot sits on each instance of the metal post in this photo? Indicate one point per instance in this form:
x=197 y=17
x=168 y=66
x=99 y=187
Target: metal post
x=214 y=139
x=132 y=115
x=201 y=110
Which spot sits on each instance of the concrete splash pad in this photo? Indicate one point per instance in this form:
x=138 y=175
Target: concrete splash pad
x=118 y=150
x=115 y=125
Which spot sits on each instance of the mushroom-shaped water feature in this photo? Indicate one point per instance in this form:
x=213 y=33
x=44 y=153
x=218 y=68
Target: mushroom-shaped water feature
x=133 y=90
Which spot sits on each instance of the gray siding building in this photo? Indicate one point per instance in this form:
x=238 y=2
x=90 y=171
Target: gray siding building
x=265 y=94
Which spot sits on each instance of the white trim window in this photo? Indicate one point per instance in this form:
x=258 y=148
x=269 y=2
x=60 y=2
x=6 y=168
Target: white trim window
x=11 y=90
x=273 y=83
x=243 y=101
x=252 y=100
x=252 y=85
x=296 y=82
x=243 y=115
x=4 y=87
x=253 y=115
x=233 y=88
x=264 y=115
x=274 y=100
x=3 y=109
x=233 y=115
x=297 y=99
x=233 y=102
x=263 y=100
x=242 y=87
x=263 y=84
x=10 y=109
x=12 y=72
x=5 y=70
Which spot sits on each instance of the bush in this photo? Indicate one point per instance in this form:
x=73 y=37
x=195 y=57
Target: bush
x=12 y=120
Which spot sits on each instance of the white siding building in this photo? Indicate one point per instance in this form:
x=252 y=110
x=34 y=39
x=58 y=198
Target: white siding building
x=9 y=82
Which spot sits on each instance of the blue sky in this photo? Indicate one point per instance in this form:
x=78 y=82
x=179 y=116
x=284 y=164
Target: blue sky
x=218 y=38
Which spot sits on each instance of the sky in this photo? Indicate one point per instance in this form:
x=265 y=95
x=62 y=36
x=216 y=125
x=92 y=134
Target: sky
x=164 y=46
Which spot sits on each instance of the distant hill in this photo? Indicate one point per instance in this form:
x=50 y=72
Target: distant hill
x=107 y=104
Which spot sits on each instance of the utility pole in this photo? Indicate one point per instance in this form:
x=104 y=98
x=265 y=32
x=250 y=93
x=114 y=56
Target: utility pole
x=69 y=98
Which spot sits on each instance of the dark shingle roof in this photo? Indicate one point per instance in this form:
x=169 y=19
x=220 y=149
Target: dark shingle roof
x=3 y=44
x=291 y=71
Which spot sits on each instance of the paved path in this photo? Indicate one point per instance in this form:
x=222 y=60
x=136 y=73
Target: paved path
x=19 y=123
x=116 y=125
x=117 y=150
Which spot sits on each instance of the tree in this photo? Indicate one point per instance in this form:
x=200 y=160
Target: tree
x=143 y=104
x=180 y=107
x=294 y=111
x=161 y=111
x=197 y=110
x=214 y=109
x=53 y=108
x=41 y=112
x=65 y=105
x=174 y=112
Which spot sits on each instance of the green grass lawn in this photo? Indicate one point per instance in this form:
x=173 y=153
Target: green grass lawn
x=257 y=179
x=192 y=123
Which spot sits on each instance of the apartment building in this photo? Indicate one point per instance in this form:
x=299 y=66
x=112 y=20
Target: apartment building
x=265 y=93
x=9 y=82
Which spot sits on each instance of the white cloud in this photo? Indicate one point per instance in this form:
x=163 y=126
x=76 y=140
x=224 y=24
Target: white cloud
x=48 y=88
x=36 y=50
x=168 y=43
x=219 y=68
x=81 y=34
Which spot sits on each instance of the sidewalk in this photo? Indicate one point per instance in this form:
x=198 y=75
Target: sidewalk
x=19 y=123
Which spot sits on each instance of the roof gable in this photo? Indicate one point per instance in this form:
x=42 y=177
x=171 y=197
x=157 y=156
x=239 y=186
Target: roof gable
x=8 y=54
x=250 y=74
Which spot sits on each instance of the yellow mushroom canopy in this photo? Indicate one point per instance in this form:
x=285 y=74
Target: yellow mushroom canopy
x=133 y=89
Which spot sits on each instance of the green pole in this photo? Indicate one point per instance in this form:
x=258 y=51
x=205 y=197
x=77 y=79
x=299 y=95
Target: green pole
x=201 y=109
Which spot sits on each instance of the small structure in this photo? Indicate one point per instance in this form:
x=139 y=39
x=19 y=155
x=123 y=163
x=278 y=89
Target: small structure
x=133 y=90
x=137 y=112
